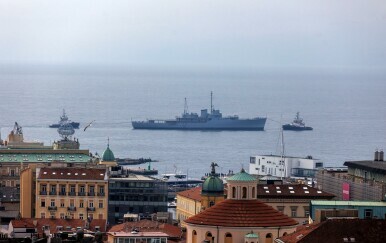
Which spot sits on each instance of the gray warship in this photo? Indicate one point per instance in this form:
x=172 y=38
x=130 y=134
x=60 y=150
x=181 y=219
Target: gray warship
x=212 y=120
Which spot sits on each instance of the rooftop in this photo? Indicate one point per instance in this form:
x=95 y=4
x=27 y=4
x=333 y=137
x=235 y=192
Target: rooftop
x=348 y=203
x=241 y=213
x=72 y=174
x=242 y=176
x=339 y=230
x=375 y=166
x=194 y=194
x=132 y=177
x=43 y=156
x=292 y=191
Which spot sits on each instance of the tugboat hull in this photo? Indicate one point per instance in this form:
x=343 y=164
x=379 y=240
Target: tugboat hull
x=290 y=127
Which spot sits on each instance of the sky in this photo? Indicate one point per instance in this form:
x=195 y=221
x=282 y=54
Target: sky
x=201 y=34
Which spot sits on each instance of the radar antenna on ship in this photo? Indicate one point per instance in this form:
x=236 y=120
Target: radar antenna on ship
x=186 y=110
x=211 y=102
x=17 y=129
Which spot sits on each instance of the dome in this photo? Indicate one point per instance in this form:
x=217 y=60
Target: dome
x=108 y=155
x=242 y=176
x=212 y=184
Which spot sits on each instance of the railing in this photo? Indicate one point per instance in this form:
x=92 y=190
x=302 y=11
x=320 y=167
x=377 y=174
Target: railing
x=71 y=208
x=52 y=208
x=91 y=194
x=71 y=193
x=101 y=194
x=91 y=209
x=53 y=193
x=62 y=193
x=43 y=193
x=81 y=194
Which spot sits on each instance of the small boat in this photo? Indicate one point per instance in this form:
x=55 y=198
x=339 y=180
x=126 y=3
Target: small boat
x=64 y=119
x=297 y=125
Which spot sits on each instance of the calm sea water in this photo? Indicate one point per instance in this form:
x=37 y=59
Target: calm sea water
x=347 y=112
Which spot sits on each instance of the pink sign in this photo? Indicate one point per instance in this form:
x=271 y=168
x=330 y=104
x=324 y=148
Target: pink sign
x=346 y=191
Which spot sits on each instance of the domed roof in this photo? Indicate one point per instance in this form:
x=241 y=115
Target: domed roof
x=241 y=213
x=108 y=155
x=242 y=176
x=212 y=184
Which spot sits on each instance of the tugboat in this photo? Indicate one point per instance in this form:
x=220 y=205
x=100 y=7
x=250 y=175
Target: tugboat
x=212 y=120
x=296 y=125
x=64 y=119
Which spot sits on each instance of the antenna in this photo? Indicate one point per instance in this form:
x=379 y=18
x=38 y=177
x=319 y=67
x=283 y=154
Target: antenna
x=185 y=107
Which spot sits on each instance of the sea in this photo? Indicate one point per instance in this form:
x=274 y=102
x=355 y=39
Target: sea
x=346 y=109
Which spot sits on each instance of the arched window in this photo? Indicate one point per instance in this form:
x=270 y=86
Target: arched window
x=194 y=236
x=228 y=238
x=233 y=192
x=268 y=238
x=211 y=203
x=244 y=192
x=208 y=236
x=253 y=193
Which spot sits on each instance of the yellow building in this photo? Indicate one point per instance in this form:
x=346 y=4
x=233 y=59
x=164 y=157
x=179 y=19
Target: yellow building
x=195 y=200
x=76 y=193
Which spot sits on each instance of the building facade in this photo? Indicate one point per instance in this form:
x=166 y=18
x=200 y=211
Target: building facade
x=71 y=193
x=286 y=166
x=136 y=194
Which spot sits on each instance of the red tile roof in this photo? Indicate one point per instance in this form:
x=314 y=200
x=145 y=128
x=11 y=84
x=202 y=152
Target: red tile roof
x=148 y=226
x=72 y=174
x=291 y=191
x=53 y=223
x=194 y=194
x=241 y=213
x=336 y=230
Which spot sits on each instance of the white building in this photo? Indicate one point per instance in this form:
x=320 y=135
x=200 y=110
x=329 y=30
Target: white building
x=286 y=166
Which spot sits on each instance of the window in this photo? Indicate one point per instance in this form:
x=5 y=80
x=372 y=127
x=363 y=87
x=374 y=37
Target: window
x=53 y=203
x=252 y=160
x=62 y=216
x=61 y=203
x=81 y=189
x=100 y=204
x=63 y=188
x=92 y=188
x=263 y=168
x=81 y=204
x=228 y=238
x=43 y=188
x=43 y=215
x=81 y=216
x=244 y=192
x=294 y=211
x=91 y=204
x=101 y=189
x=72 y=203
x=211 y=203
x=233 y=192
x=72 y=188
x=42 y=203
x=280 y=208
x=53 y=188
x=368 y=213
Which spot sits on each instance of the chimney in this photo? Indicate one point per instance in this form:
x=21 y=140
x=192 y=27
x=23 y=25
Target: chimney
x=376 y=155
x=380 y=155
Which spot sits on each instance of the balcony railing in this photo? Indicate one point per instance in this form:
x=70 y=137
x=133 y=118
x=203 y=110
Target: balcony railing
x=91 y=194
x=71 y=208
x=53 y=193
x=71 y=193
x=101 y=194
x=62 y=193
x=52 y=208
x=43 y=193
x=81 y=194
x=91 y=209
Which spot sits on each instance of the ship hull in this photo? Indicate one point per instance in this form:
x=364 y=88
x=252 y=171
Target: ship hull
x=289 y=127
x=216 y=124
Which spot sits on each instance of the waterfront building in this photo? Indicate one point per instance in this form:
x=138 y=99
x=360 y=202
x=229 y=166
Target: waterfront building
x=138 y=194
x=16 y=154
x=240 y=217
x=197 y=199
x=363 y=180
x=71 y=193
x=292 y=200
x=284 y=166
x=321 y=210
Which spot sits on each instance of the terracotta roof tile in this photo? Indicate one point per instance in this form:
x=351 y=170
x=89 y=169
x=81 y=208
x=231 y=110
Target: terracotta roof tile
x=148 y=226
x=241 y=213
x=72 y=173
x=194 y=193
x=291 y=191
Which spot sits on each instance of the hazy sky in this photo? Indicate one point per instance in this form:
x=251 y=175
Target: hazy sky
x=177 y=33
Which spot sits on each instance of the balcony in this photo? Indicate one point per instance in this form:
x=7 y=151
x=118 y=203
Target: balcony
x=62 y=193
x=53 y=193
x=101 y=194
x=52 y=208
x=43 y=193
x=71 y=208
x=72 y=194
x=92 y=209
x=91 y=194
x=82 y=194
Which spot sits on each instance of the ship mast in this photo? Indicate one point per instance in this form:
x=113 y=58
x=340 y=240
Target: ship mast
x=211 y=102
x=185 y=107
